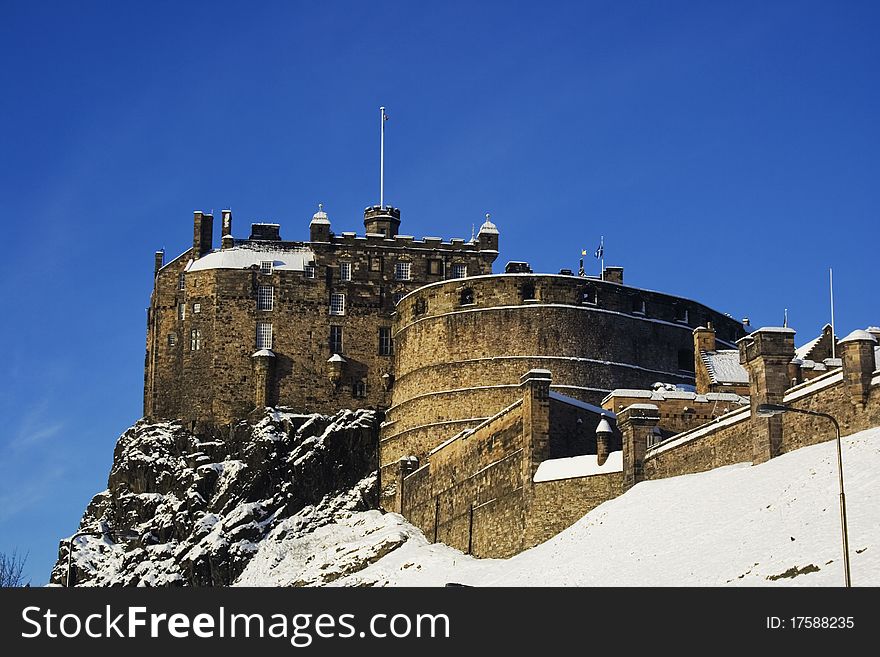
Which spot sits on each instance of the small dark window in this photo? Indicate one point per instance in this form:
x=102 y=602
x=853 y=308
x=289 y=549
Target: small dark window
x=638 y=305
x=467 y=297
x=358 y=389
x=335 y=339
x=385 y=344
x=528 y=291
x=420 y=307
x=588 y=295
x=686 y=360
x=681 y=314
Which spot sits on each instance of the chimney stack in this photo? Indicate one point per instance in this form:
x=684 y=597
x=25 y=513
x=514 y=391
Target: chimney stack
x=203 y=233
x=158 y=261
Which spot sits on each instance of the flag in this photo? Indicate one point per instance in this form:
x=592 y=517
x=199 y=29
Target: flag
x=600 y=251
x=583 y=252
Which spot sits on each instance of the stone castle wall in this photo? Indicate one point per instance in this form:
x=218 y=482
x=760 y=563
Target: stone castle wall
x=462 y=345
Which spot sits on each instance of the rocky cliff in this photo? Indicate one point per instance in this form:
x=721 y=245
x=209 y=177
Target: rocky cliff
x=190 y=509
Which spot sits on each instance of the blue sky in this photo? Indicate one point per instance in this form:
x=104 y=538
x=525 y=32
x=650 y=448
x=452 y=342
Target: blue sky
x=728 y=152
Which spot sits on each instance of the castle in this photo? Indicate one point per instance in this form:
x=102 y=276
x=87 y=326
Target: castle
x=514 y=402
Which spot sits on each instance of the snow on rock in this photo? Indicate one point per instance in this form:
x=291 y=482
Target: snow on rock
x=196 y=507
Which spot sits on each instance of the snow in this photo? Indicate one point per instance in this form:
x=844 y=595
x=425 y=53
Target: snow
x=724 y=366
x=578 y=466
x=263 y=352
x=244 y=256
x=773 y=329
x=803 y=352
x=859 y=336
x=733 y=526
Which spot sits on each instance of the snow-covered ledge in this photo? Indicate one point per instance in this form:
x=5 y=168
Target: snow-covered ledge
x=573 y=467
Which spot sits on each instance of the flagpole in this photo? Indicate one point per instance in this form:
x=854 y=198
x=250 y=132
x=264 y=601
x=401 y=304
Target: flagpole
x=831 y=290
x=602 y=251
x=382 y=159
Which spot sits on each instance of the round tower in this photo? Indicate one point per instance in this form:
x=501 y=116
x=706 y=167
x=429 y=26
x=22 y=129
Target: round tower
x=382 y=220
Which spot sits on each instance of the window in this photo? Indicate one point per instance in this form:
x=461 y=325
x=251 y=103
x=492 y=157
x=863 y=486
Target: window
x=375 y=263
x=358 y=389
x=459 y=271
x=266 y=266
x=655 y=437
x=420 y=307
x=385 y=348
x=467 y=297
x=638 y=306
x=181 y=311
x=528 y=291
x=402 y=271
x=265 y=297
x=309 y=271
x=681 y=314
x=345 y=271
x=181 y=282
x=337 y=304
x=435 y=267
x=335 y=339
x=397 y=296
x=264 y=335
x=197 y=308
x=195 y=340
x=172 y=339
x=588 y=295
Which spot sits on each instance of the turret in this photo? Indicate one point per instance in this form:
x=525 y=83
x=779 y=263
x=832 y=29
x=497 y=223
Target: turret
x=382 y=220
x=488 y=236
x=319 y=226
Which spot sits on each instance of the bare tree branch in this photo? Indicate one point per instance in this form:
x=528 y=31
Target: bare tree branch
x=12 y=569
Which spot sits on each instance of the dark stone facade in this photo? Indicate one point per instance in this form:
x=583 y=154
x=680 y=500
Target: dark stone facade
x=203 y=360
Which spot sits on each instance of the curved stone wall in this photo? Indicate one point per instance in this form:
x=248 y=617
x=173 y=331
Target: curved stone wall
x=461 y=346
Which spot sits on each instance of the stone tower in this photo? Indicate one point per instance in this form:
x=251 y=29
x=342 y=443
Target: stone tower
x=382 y=220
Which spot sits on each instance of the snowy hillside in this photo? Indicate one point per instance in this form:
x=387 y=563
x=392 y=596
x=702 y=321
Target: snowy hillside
x=772 y=524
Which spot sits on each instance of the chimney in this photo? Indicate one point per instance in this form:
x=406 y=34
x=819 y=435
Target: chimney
x=158 y=261
x=704 y=339
x=203 y=233
x=613 y=275
x=267 y=232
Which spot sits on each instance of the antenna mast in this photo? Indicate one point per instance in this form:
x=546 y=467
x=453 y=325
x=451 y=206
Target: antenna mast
x=382 y=159
x=831 y=290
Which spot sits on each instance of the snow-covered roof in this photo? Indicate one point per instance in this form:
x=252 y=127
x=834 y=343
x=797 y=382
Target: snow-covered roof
x=488 y=227
x=604 y=426
x=336 y=358
x=578 y=466
x=723 y=366
x=803 y=352
x=244 y=256
x=661 y=395
x=263 y=352
x=859 y=335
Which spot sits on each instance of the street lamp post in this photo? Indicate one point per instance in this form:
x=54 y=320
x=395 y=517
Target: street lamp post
x=769 y=410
